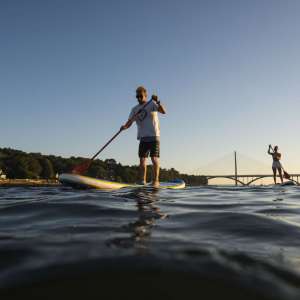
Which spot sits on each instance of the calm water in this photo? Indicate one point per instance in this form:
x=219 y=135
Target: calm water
x=207 y=242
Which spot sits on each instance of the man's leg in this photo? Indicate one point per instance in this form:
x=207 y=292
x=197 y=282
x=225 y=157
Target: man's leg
x=143 y=154
x=280 y=175
x=143 y=169
x=156 y=166
x=274 y=175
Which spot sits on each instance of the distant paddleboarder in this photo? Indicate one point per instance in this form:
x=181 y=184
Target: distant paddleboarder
x=276 y=166
x=148 y=131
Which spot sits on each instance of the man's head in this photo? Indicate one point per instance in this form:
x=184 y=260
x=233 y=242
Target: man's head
x=276 y=148
x=141 y=94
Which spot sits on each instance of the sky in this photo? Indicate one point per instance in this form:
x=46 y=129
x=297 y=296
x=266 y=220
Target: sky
x=226 y=71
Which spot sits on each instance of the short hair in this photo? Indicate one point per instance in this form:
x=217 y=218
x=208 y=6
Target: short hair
x=276 y=148
x=141 y=89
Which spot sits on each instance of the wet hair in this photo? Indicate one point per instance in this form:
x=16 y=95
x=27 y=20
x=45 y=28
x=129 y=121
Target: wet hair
x=275 y=148
x=141 y=90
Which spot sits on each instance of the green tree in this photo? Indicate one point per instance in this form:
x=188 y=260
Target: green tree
x=23 y=166
x=47 y=168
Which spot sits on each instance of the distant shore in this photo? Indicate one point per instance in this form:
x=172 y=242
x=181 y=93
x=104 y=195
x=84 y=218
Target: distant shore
x=19 y=164
x=29 y=182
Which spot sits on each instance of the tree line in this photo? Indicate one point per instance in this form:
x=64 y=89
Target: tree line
x=17 y=164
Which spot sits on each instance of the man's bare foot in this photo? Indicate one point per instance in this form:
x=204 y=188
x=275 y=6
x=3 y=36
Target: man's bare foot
x=142 y=182
x=155 y=184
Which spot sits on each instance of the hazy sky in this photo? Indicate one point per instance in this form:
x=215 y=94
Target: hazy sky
x=227 y=71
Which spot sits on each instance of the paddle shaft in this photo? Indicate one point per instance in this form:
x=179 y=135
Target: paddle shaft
x=106 y=145
x=132 y=119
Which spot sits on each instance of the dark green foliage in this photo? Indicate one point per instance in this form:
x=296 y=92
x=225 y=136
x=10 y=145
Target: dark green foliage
x=47 y=168
x=22 y=166
x=18 y=164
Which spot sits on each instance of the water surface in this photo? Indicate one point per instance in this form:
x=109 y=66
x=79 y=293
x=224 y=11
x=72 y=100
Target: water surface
x=211 y=242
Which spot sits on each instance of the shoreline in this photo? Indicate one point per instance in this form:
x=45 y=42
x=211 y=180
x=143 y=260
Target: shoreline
x=29 y=182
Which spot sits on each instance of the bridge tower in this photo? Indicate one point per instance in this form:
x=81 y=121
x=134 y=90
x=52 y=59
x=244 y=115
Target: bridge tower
x=235 y=169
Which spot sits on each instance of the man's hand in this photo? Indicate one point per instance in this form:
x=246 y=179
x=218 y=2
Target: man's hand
x=155 y=99
x=161 y=108
x=126 y=126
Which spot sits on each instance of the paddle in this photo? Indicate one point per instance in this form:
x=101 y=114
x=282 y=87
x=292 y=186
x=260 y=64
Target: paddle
x=82 y=168
x=286 y=175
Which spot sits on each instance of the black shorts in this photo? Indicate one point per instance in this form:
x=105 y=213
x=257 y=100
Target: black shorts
x=151 y=148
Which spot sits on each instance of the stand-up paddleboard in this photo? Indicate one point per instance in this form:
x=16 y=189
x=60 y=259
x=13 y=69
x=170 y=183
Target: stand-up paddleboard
x=286 y=183
x=79 y=181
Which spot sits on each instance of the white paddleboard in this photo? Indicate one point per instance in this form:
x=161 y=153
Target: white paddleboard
x=80 y=181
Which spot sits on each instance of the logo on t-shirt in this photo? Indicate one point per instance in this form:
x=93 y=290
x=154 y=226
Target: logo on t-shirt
x=142 y=115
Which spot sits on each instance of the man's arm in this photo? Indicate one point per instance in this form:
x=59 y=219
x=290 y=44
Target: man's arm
x=269 y=151
x=160 y=107
x=126 y=125
x=130 y=120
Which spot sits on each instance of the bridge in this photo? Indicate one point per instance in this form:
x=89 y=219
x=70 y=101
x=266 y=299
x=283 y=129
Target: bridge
x=246 y=178
x=249 y=179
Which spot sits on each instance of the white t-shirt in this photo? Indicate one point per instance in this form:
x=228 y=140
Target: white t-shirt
x=147 y=120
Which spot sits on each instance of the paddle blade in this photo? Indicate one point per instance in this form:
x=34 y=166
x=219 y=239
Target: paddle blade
x=286 y=175
x=82 y=168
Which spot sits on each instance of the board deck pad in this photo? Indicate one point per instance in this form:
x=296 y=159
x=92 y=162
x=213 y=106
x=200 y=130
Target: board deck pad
x=80 y=181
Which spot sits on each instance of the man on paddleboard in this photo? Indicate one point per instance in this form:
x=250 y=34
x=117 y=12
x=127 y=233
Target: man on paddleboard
x=276 y=162
x=145 y=114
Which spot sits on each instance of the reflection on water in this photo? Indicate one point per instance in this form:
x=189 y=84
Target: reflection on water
x=232 y=242
x=147 y=213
